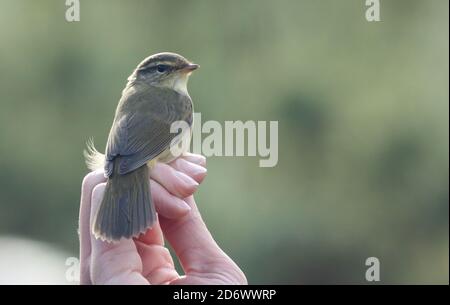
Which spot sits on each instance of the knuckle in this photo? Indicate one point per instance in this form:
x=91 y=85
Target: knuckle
x=91 y=180
x=186 y=191
x=88 y=181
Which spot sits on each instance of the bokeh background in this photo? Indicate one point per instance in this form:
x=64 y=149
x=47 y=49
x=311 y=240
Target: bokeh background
x=363 y=129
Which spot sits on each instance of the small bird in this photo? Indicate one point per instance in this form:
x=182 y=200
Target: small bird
x=154 y=98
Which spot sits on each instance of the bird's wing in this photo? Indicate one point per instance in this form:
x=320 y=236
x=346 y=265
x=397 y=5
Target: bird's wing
x=141 y=128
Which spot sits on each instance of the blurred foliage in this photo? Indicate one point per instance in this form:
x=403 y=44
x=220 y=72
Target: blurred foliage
x=362 y=108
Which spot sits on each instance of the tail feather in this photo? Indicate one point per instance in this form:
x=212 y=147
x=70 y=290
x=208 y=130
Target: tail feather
x=93 y=158
x=126 y=209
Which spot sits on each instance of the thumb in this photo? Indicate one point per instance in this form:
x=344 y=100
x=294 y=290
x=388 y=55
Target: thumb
x=116 y=262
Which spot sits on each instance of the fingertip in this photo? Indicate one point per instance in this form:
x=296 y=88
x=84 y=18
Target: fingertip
x=195 y=158
x=97 y=192
x=92 y=179
x=176 y=182
x=193 y=170
x=200 y=175
x=186 y=185
x=168 y=205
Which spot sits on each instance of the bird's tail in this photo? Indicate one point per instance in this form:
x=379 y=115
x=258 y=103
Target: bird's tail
x=126 y=209
x=93 y=158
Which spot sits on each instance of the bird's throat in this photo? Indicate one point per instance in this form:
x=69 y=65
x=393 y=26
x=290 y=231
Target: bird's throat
x=180 y=84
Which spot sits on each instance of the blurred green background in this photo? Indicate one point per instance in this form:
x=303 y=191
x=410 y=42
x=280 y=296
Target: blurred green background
x=363 y=126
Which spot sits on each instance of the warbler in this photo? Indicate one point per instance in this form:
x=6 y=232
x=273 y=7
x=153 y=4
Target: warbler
x=154 y=98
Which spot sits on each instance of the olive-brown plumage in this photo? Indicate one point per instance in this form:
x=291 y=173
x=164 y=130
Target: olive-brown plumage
x=154 y=98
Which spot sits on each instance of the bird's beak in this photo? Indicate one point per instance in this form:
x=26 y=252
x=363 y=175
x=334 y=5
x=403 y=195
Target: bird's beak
x=190 y=67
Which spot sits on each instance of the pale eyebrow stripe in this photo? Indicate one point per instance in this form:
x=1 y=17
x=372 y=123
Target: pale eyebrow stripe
x=156 y=63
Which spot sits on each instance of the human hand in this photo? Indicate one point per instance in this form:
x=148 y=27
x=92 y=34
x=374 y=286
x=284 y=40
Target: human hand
x=145 y=260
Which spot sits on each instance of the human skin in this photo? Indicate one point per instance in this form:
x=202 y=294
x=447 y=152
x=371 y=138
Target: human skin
x=145 y=260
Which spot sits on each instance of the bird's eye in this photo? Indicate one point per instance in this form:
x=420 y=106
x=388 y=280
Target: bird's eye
x=162 y=68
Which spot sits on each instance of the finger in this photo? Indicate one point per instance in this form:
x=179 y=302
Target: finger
x=157 y=263
x=115 y=262
x=166 y=204
x=196 y=248
x=89 y=182
x=153 y=236
x=194 y=158
x=177 y=183
x=193 y=170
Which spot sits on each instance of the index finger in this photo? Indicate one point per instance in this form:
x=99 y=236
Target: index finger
x=90 y=181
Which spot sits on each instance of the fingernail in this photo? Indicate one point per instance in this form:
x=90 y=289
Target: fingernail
x=198 y=170
x=191 y=168
x=184 y=206
x=197 y=159
x=186 y=179
x=200 y=160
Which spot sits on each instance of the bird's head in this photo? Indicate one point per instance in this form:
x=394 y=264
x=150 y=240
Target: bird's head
x=165 y=70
